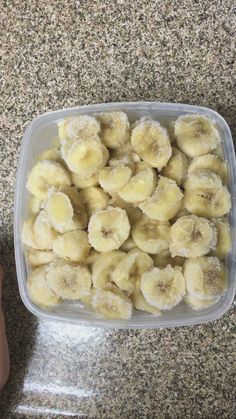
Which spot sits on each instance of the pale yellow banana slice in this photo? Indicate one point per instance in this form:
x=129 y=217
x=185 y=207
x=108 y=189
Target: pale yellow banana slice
x=133 y=213
x=112 y=303
x=50 y=154
x=198 y=304
x=130 y=268
x=196 y=135
x=162 y=259
x=206 y=277
x=60 y=211
x=128 y=245
x=39 y=257
x=113 y=178
x=115 y=129
x=204 y=202
x=82 y=182
x=72 y=246
x=163 y=288
x=44 y=175
x=44 y=234
x=176 y=167
x=86 y=157
x=210 y=162
x=35 y=205
x=103 y=267
x=165 y=202
x=223 y=244
x=108 y=229
x=80 y=217
x=151 y=236
x=92 y=257
x=27 y=234
x=202 y=178
x=78 y=127
x=150 y=140
x=192 y=236
x=139 y=301
x=139 y=187
x=38 y=289
x=68 y=281
x=95 y=199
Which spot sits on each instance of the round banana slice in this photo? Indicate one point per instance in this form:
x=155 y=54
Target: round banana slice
x=50 y=154
x=162 y=259
x=133 y=213
x=210 y=162
x=80 y=217
x=86 y=157
x=111 y=303
x=198 y=304
x=128 y=245
x=165 y=202
x=223 y=244
x=68 y=281
x=139 y=301
x=44 y=175
x=59 y=210
x=78 y=127
x=130 y=268
x=103 y=267
x=35 y=205
x=38 y=289
x=196 y=135
x=176 y=167
x=206 y=277
x=151 y=142
x=139 y=187
x=151 y=236
x=108 y=229
x=113 y=178
x=95 y=199
x=44 y=234
x=209 y=203
x=27 y=233
x=72 y=246
x=115 y=129
x=83 y=182
x=163 y=288
x=202 y=178
x=192 y=236
x=39 y=257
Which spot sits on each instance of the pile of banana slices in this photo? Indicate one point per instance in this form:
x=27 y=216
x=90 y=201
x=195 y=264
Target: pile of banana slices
x=128 y=216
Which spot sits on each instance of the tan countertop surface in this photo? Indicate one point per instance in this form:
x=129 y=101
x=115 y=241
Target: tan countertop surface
x=66 y=53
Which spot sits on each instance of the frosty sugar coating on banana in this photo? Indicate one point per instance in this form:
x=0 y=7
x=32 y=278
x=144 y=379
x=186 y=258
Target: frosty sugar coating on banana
x=128 y=215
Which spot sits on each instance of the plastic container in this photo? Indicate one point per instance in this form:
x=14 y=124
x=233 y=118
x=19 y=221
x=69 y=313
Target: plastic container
x=37 y=137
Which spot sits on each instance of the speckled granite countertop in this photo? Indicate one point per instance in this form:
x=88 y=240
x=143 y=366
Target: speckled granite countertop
x=64 y=53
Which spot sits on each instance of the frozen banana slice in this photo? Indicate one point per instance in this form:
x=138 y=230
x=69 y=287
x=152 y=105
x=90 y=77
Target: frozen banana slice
x=151 y=236
x=176 y=167
x=80 y=218
x=163 y=288
x=206 y=277
x=112 y=303
x=44 y=234
x=128 y=245
x=95 y=199
x=113 y=178
x=198 y=304
x=139 y=187
x=223 y=244
x=165 y=202
x=50 y=154
x=210 y=162
x=130 y=268
x=139 y=301
x=162 y=259
x=39 y=257
x=27 y=234
x=82 y=182
x=108 y=229
x=86 y=157
x=35 y=205
x=150 y=140
x=68 y=281
x=60 y=211
x=202 y=178
x=208 y=202
x=192 y=236
x=115 y=129
x=133 y=213
x=78 y=127
x=72 y=246
x=92 y=257
x=103 y=267
x=44 y=175
x=196 y=135
x=38 y=289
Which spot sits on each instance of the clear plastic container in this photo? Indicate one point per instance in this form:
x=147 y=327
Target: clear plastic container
x=38 y=136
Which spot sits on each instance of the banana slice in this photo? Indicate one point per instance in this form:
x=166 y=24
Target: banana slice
x=202 y=178
x=27 y=233
x=162 y=259
x=210 y=162
x=196 y=135
x=60 y=211
x=44 y=175
x=208 y=202
x=115 y=129
x=103 y=267
x=86 y=157
x=128 y=245
x=79 y=127
x=39 y=257
x=68 y=281
x=192 y=236
x=130 y=268
x=35 y=205
x=108 y=229
x=72 y=246
x=165 y=202
x=151 y=236
x=113 y=178
x=163 y=288
x=198 y=304
x=176 y=167
x=50 y=154
x=139 y=187
x=82 y=182
x=38 y=289
x=80 y=218
x=111 y=303
x=223 y=244
x=151 y=142
x=206 y=277
x=133 y=213
x=92 y=257
x=139 y=301
x=44 y=234
x=95 y=199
